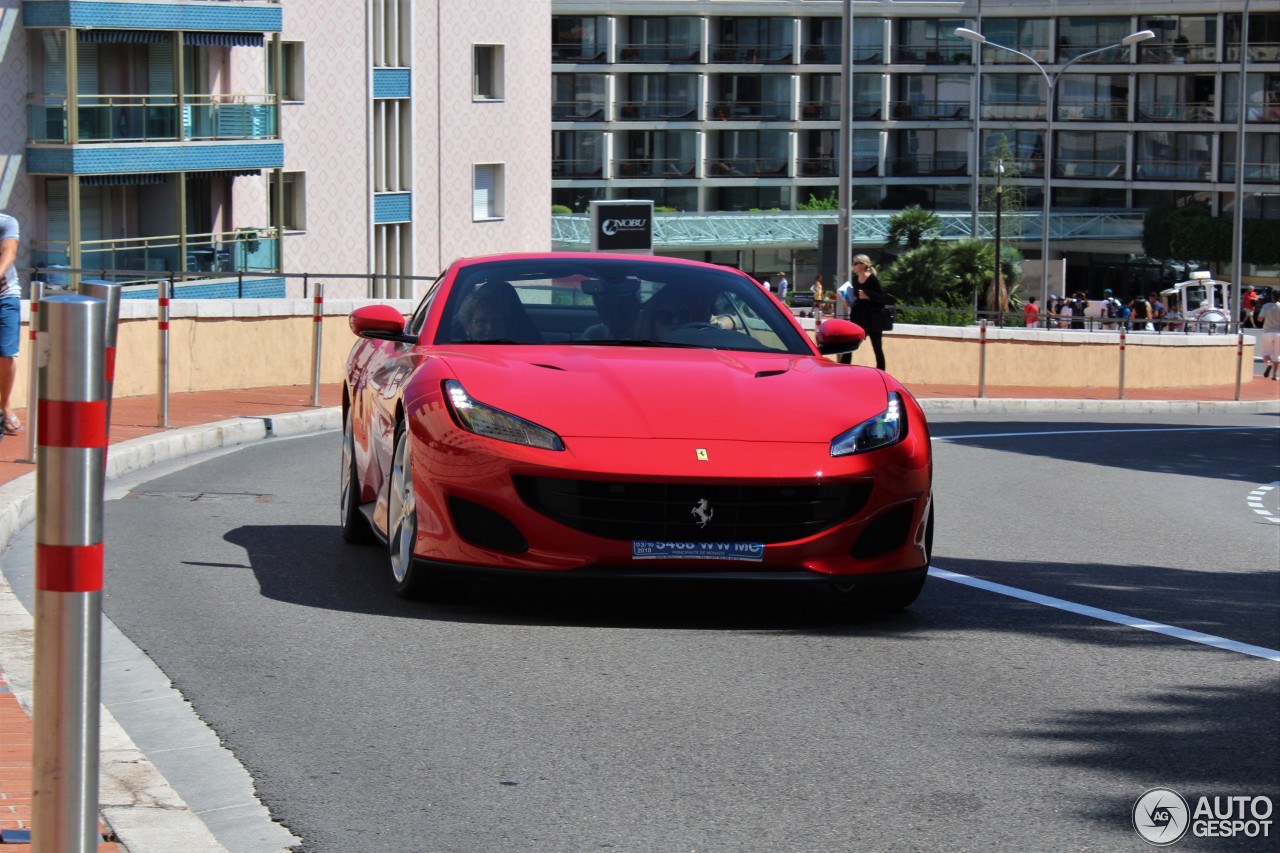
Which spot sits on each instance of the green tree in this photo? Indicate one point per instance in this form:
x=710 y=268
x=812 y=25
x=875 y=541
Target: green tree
x=912 y=225
x=827 y=202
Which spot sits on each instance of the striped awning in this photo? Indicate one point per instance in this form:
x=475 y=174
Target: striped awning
x=126 y=179
x=223 y=173
x=224 y=39
x=121 y=36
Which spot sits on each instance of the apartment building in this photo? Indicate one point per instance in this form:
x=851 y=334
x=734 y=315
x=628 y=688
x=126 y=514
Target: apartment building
x=228 y=142
x=713 y=107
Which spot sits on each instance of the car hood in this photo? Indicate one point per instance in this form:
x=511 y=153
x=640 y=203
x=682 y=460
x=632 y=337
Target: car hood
x=626 y=392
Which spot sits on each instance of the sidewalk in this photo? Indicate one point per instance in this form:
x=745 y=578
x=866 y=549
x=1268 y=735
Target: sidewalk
x=136 y=417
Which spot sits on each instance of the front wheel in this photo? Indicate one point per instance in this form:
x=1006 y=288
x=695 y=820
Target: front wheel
x=411 y=579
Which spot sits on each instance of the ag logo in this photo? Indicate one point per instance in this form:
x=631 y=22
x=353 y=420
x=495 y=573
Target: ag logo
x=1161 y=816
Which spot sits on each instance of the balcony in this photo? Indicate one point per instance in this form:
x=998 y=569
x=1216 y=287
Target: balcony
x=914 y=110
x=830 y=111
x=579 y=52
x=116 y=119
x=578 y=110
x=752 y=54
x=734 y=110
x=682 y=110
x=1264 y=173
x=1072 y=110
x=829 y=167
x=1014 y=111
x=659 y=54
x=134 y=259
x=933 y=54
x=1194 y=111
x=673 y=167
x=1178 y=53
x=579 y=168
x=1072 y=167
x=939 y=165
x=748 y=167
x=1173 y=170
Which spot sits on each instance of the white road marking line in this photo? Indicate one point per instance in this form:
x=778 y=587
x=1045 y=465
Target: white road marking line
x=1033 y=433
x=1108 y=616
x=1255 y=502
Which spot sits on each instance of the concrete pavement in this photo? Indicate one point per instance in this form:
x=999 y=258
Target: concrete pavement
x=141 y=813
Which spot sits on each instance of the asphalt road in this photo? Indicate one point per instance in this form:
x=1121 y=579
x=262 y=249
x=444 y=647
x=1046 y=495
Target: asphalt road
x=633 y=718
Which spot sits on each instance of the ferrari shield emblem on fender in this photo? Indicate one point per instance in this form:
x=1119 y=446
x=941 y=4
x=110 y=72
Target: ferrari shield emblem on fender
x=702 y=454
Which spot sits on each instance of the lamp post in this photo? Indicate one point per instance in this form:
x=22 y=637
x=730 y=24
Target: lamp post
x=999 y=289
x=1237 y=214
x=1051 y=81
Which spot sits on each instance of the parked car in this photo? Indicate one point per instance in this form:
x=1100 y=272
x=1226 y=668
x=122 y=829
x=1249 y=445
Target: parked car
x=628 y=416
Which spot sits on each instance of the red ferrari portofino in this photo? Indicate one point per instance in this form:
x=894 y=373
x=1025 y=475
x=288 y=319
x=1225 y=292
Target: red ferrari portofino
x=624 y=416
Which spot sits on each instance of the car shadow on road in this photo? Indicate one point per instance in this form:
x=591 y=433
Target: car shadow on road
x=1248 y=454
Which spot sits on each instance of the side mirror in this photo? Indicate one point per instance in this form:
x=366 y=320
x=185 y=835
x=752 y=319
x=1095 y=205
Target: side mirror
x=380 y=323
x=837 y=336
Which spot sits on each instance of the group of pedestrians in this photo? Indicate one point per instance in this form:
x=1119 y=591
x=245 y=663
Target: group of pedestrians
x=1137 y=313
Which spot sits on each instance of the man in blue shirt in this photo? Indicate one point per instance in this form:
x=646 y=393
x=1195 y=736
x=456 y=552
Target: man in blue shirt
x=10 y=319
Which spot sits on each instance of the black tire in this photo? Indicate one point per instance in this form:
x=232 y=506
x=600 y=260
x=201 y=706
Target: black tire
x=412 y=579
x=355 y=526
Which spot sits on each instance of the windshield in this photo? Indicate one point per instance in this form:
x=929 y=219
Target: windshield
x=613 y=302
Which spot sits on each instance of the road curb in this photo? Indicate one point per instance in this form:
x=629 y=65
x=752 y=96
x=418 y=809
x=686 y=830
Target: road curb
x=135 y=800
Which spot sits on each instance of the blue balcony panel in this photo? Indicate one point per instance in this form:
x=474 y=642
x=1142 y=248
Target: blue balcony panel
x=116 y=159
x=391 y=83
x=212 y=17
x=392 y=207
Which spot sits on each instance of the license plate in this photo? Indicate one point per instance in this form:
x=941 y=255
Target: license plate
x=750 y=552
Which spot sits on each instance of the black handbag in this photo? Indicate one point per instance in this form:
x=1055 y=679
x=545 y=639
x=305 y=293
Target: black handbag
x=886 y=319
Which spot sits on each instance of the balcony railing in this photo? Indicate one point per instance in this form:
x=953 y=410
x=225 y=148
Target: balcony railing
x=154 y=118
x=584 y=110
x=660 y=53
x=751 y=110
x=752 y=54
x=1164 y=53
x=1013 y=112
x=827 y=54
x=1073 y=167
x=747 y=167
x=578 y=52
x=136 y=258
x=934 y=54
x=830 y=110
x=671 y=167
x=1264 y=52
x=1073 y=110
x=581 y=168
x=829 y=167
x=937 y=165
x=930 y=110
x=1172 y=170
x=1267 y=173
x=1198 y=111
x=657 y=111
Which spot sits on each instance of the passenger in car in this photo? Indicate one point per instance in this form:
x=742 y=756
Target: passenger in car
x=618 y=311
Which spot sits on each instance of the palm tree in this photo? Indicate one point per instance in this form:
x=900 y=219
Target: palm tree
x=911 y=225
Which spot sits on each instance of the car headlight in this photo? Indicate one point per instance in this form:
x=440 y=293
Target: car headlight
x=887 y=428
x=474 y=416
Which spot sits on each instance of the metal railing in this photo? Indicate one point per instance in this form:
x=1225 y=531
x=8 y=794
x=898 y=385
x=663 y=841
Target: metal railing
x=248 y=250
x=154 y=118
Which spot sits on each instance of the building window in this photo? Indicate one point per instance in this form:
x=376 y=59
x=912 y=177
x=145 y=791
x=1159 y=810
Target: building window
x=487 y=73
x=295 y=210
x=293 y=67
x=487 y=192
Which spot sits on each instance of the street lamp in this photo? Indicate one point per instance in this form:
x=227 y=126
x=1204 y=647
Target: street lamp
x=999 y=289
x=1050 y=80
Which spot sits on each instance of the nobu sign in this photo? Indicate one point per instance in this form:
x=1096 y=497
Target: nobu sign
x=622 y=226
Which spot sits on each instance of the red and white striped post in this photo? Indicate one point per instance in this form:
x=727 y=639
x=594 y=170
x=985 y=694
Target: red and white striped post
x=33 y=376
x=982 y=358
x=164 y=291
x=70 y=462
x=1122 y=357
x=109 y=292
x=317 y=325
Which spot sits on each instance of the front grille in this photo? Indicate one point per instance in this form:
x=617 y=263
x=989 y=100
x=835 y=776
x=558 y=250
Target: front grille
x=665 y=512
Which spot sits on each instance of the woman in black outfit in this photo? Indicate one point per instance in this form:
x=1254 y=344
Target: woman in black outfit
x=869 y=306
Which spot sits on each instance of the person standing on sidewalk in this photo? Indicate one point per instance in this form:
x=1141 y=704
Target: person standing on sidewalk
x=868 y=305
x=10 y=319
x=1269 y=320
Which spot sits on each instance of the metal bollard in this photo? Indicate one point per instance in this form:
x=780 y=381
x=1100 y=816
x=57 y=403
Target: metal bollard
x=982 y=358
x=1239 y=361
x=1122 y=357
x=317 y=316
x=33 y=377
x=164 y=291
x=70 y=462
x=109 y=292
